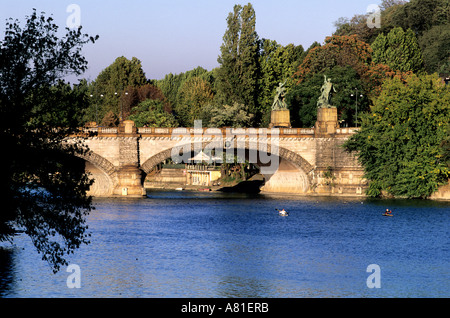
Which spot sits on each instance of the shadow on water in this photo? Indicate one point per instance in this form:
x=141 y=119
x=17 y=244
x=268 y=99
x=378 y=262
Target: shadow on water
x=251 y=187
x=6 y=270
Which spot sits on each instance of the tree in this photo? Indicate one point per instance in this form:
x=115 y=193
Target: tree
x=113 y=81
x=422 y=15
x=43 y=184
x=172 y=84
x=435 y=45
x=400 y=143
x=136 y=95
x=358 y=24
x=338 y=51
x=399 y=50
x=192 y=97
x=347 y=51
x=278 y=64
x=151 y=113
x=428 y=19
x=238 y=75
x=303 y=97
x=236 y=116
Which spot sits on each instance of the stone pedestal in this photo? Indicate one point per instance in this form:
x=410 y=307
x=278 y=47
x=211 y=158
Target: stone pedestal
x=130 y=183
x=327 y=121
x=280 y=118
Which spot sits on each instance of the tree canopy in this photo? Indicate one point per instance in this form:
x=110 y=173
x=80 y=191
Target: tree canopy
x=399 y=50
x=110 y=86
x=400 y=144
x=237 y=76
x=43 y=183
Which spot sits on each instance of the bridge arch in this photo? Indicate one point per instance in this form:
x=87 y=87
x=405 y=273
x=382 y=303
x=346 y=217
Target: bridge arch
x=293 y=173
x=102 y=172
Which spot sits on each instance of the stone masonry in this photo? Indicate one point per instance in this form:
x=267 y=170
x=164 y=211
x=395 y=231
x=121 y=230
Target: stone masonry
x=307 y=162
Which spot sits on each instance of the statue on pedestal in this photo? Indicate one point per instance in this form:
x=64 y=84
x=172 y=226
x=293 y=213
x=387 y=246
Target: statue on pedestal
x=280 y=113
x=279 y=103
x=324 y=99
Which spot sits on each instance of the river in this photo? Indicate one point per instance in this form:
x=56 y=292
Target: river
x=217 y=245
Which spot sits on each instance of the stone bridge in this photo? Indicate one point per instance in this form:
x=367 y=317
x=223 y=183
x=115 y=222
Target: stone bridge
x=292 y=160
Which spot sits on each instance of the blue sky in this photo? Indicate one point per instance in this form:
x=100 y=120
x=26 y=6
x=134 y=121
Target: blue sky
x=174 y=36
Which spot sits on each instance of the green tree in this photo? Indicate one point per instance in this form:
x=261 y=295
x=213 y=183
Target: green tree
x=278 y=64
x=303 y=97
x=172 y=84
x=399 y=50
x=151 y=113
x=112 y=82
x=195 y=94
x=422 y=15
x=435 y=45
x=400 y=143
x=236 y=116
x=238 y=75
x=43 y=184
x=136 y=95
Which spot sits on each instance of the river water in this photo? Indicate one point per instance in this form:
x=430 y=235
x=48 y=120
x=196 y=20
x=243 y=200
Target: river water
x=209 y=245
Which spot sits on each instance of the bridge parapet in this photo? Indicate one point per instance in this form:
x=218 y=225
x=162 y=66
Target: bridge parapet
x=167 y=132
x=124 y=155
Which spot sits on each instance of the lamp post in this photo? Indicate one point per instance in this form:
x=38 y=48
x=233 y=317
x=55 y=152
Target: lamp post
x=121 y=105
x=353 y=95
x=96 y=108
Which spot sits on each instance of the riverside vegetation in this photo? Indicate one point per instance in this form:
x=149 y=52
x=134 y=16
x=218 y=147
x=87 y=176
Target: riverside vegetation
x=403 y=143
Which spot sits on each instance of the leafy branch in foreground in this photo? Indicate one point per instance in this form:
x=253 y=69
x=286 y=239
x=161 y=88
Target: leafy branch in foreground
x=43 y=182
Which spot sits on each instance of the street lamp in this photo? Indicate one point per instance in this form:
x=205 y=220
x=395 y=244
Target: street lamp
x=96 y=108
x=360 y=95
x=121 y=106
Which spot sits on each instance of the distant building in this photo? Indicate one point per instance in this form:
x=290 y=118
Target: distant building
x=201 y=175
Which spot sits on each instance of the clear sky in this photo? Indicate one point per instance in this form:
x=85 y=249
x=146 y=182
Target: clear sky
x=174 y=36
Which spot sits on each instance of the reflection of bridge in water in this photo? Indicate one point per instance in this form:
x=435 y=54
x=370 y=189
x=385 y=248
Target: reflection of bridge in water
x=292 y=160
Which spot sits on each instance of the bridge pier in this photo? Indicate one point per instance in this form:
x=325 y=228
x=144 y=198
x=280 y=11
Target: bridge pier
x=129 y=182
x=312 y=161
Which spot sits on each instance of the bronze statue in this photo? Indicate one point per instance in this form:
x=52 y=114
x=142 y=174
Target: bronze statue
x=324 y=99
x=279 y=103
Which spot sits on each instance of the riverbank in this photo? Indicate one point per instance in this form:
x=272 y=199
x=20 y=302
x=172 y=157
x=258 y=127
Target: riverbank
x=175 y=179
x=254 y=186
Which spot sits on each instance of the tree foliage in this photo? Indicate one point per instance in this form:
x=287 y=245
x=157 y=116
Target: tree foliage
x=238 y=74
x=278 y=64
x=43 y=184
x=112 y=83
x=400 y=143
x=337 y=51
x=428 y=19
x=399 y=50
x=136 y=95
x=303 y=97
x=193 y=96
x=435 y=44
x=236 y=116
x=151 y=113
x=171 y=85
